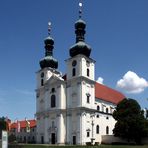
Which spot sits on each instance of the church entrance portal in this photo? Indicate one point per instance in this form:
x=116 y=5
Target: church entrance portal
x=74 y=140
x=52 y=138
x=42 y=139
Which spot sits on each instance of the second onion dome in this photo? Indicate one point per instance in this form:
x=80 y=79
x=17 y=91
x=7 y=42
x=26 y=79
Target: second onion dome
x=80 y=47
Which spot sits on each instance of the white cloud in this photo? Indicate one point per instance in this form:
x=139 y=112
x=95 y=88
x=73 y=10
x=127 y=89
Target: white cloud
x=132 y=83
x=100 y=80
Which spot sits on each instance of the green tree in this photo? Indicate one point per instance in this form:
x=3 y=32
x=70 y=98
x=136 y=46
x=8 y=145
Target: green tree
x=131 y=124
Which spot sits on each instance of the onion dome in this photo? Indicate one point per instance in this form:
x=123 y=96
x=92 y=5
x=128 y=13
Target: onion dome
x=48 y=60
x=80 y=47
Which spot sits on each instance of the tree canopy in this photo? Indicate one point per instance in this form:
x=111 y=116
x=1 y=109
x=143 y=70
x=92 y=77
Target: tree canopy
x=131 y=124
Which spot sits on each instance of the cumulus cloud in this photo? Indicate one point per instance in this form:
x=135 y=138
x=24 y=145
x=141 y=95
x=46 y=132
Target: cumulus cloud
x=132 y=83
x=100 y=80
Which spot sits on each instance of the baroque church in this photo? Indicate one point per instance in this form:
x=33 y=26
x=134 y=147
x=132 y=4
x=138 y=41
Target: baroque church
x=73 y=108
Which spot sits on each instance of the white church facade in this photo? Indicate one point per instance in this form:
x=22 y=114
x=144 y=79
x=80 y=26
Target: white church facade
x=74 y=108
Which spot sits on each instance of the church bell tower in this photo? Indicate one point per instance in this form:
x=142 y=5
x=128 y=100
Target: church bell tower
x=80 y=83
x=48 y=64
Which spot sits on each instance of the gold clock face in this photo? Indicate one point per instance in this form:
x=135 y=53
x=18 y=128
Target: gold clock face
x=74 y=63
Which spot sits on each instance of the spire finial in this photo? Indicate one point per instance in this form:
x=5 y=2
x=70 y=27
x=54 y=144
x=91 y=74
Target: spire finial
x=49 y=28
x=80 y=9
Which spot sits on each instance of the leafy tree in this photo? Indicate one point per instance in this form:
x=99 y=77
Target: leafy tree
x=131 y=124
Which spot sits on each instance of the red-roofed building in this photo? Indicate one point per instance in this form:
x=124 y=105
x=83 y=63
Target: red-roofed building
x=19 y=130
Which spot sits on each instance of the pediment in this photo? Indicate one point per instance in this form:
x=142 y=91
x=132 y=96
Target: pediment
x=55 y=79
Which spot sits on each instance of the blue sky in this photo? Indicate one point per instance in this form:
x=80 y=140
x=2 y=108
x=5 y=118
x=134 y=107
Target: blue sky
x=116 y=30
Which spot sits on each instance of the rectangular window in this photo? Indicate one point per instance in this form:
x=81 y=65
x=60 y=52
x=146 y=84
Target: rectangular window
x=87 y=134
x=42 y=82
x=53 y=101
x=88 y=98
x=73 y=72
x=87 y=72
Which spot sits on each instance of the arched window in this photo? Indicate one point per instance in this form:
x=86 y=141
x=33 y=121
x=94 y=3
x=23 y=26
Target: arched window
x=42 y=79
x=42 y=82
x=53 y=101
x=73 y=72
x=106 y=110
x=87 y=72
x=88 y=99
x=98 y=107
x=107 y=130
x=97 y=129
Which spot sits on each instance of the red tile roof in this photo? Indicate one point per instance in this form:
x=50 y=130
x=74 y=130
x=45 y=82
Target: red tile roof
x=108 y=94
x=23 y=124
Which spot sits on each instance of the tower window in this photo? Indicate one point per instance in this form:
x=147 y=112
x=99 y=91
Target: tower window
x=73 y=72
x=53 y=101
x=107 y=130
x=88 y=98
x=42 y=82
x=97 y=129
x=42 y=78
x=87 y=72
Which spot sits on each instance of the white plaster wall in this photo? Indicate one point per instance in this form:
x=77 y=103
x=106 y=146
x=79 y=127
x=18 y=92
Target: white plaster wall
x=73 y=94
x=87 y=88
x=40 y=129
x=81 y=67
x=69 y=129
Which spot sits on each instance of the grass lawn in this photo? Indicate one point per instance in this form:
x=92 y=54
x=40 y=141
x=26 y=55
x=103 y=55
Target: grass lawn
x=100 y=146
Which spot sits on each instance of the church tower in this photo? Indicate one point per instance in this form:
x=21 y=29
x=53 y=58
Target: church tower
x=80 y=86
x=50 y=98
x=48 y=64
